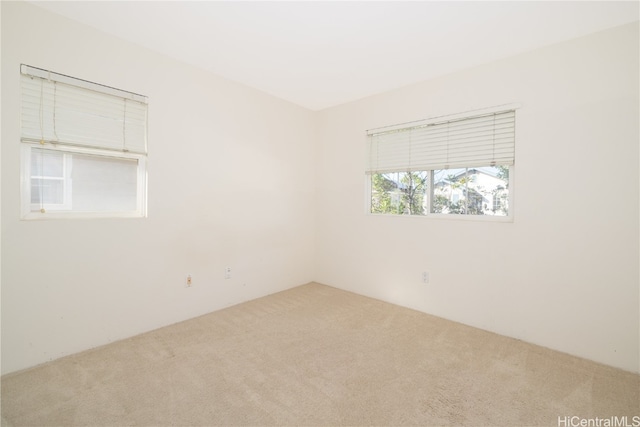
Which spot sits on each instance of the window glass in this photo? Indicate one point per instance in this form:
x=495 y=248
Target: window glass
x=402 y=193
x=480 y=190
x=103 y=183
x=64 y=180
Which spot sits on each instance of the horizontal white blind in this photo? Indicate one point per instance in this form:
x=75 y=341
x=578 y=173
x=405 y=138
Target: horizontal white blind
x=63 y=110
x=487 y=139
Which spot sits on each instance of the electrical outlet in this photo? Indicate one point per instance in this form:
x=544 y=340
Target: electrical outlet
x=189 y=280
x=425 y=277
x=227 y=273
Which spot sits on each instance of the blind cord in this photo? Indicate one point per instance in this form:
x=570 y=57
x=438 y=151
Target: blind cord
x=446 y=166
x=55 y=98
x=41 y=112
x=410 y=144
x=41 y=164
x=493 y=154
x=124 y=126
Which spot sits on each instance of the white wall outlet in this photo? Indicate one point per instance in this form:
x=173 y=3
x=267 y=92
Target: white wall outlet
x=189 y=281
x=227 y=273
x=425 y=277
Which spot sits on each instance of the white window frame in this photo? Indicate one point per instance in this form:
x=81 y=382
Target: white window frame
x=42 y=110
x=447 y=216
x=429 y=195
x=31 y=211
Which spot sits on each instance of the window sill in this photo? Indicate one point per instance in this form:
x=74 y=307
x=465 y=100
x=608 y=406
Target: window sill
x=450 y=217
x=38 y=216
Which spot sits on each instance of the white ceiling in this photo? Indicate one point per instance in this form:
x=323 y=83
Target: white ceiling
x=319 y=54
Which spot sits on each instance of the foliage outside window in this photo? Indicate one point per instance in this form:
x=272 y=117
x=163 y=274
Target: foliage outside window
x=466 y=191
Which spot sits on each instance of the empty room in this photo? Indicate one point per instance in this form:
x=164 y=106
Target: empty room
x=320 y=213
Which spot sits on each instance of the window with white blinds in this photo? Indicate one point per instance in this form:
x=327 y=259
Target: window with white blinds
x=64 y=110
x=480 y=140
x=457 y=165
x=84 y=148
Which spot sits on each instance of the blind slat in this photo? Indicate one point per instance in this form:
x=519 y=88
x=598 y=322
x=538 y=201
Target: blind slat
x=487 y=139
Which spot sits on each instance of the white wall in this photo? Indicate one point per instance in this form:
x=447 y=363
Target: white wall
x=229 y=185
x=564 y=274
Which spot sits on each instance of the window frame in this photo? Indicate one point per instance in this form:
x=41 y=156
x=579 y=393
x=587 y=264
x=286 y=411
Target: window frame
x=450 y=216
x=58 y=211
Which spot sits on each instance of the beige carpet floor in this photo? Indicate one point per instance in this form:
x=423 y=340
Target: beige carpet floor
x=316 y=355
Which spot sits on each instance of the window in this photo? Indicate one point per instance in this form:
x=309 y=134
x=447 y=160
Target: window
x=84 y=148
x=461 y=165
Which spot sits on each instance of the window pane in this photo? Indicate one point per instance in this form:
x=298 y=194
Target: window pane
x=471 y=191
x=447 y=192
x=47 y=163
x=47 y=191
x=103 y=184
x=402 y=193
